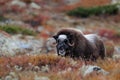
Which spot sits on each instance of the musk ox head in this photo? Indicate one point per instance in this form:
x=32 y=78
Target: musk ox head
x=64 y=44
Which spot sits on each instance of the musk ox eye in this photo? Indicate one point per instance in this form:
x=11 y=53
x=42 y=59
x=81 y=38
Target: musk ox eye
x=65 y=40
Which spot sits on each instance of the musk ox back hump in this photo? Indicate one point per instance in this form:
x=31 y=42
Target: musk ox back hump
x=97 y=43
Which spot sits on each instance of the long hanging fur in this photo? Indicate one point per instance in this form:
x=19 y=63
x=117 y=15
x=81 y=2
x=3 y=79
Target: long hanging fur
x=85 y=46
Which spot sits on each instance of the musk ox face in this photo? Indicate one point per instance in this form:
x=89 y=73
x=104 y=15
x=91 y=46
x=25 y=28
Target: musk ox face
x=63 y=44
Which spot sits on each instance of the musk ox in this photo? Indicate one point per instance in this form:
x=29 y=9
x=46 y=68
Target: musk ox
x=73 y=43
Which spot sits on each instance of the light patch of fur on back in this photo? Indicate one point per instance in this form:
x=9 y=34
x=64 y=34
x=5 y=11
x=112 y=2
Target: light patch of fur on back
x=62 y=37
x=91 y=37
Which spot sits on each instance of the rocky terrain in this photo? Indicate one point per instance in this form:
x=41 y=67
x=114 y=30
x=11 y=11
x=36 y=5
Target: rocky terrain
x=29 y=54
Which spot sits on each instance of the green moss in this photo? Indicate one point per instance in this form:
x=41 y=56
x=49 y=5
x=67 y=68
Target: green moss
x=13 y=29
x=2 y=18
x=99 y=10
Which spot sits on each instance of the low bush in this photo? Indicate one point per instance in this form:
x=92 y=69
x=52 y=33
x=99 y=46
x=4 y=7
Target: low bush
x=99 y=10
x=13 y=29
x=30 y=67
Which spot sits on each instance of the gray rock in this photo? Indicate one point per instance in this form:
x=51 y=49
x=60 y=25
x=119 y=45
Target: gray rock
x=117 y=50
x=70 y=2
x=45 y=68
x=65 y=71
x=18 y=2
x=35 y=6
x=36 y=68
x=115 y=1
x=12 y=76
x=50 y=44
x=116 y=56
x=8 y=77
x=87 y=69
x=10 y=46
x=40 y=28
x=41 y=78
x=18 y=68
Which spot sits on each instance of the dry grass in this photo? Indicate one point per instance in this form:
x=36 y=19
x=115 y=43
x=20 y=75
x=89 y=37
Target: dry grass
x=57 y=68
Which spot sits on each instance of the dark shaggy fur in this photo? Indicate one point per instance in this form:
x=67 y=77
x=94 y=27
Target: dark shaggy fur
x=85 y=46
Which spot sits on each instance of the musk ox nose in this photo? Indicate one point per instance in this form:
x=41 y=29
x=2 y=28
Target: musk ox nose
x=61 y=47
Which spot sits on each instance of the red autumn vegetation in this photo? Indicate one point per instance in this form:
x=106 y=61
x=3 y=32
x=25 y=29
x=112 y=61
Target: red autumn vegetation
x=84 y=3
x=59 y=68
x=51 y=17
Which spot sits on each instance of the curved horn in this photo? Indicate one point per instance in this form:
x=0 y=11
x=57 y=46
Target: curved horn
x=71 y=44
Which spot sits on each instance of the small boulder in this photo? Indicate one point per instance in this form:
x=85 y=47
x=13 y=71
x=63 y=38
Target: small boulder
x=41 y=78
x=35 y=6
x=88 y=69
x=18 y=3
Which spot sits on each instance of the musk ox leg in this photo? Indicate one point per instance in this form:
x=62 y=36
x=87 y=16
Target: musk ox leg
x=94 y=58
x=102 y=50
